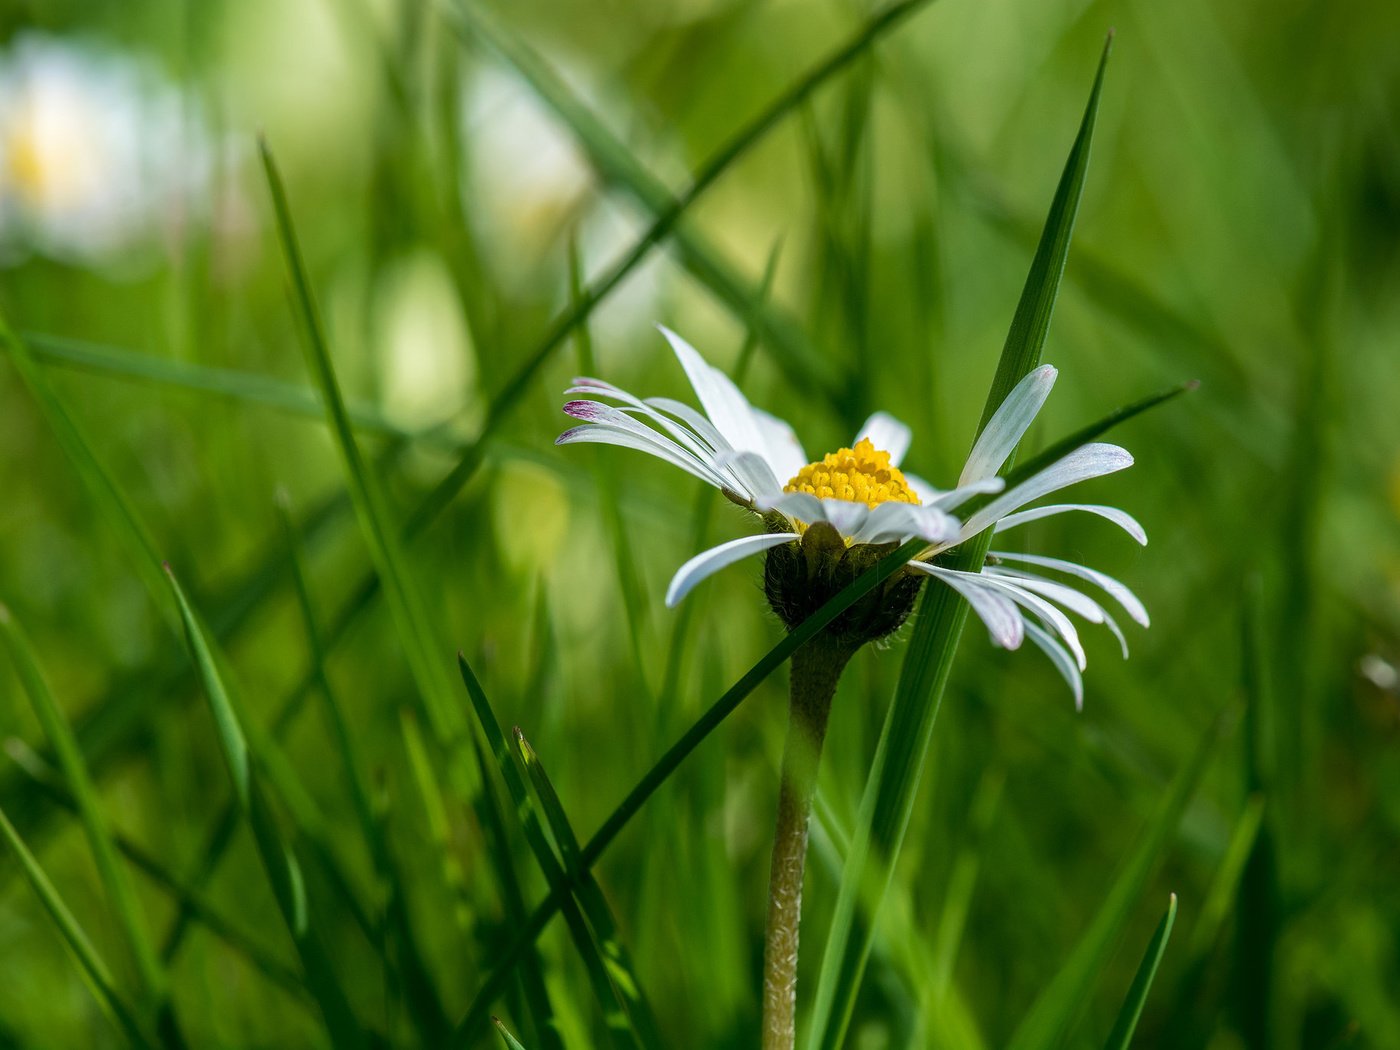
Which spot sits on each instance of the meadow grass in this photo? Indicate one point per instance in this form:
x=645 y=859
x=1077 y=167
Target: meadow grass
x=272 y=473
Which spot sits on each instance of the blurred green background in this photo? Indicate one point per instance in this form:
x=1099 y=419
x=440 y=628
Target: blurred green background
x=1240 y=226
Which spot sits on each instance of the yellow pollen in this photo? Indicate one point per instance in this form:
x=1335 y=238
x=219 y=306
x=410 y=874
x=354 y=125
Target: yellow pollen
x=862 y=474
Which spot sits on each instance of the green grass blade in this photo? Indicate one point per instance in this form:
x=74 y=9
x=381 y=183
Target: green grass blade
x=115 y=879
x=106 y=495
x=249 y=388
x=1057 y=1007
x=279 y=862
x=590 y=897
x=612 y=993
x=98 y=976
x=670 y=761
x=405 y=603
x=511 y=1042
x=899 y=758
x=1126 y=1025
x=617 y=164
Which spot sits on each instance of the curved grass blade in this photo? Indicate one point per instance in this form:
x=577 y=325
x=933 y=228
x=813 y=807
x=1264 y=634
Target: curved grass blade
x=113 y=874
x=98 y=976
x=609 y=985
x=1055 y=1010
x=278 y=860
x=617 y=164
x=667 y=764
x=899 y=757
x=1126 y=1025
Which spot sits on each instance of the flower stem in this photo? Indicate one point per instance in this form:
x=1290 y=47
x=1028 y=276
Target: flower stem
x=816 y=668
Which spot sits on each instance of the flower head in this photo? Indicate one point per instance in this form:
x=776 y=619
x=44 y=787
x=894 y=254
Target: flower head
x=827 y=520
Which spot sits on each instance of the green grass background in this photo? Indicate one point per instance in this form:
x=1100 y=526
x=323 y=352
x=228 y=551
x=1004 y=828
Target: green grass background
x=1239 y=226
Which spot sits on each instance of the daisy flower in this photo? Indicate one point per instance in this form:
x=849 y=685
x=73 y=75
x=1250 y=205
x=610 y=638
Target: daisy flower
x=846 y=509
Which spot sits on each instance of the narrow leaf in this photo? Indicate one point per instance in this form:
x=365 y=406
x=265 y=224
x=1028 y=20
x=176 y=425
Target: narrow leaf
x=1126 y=1025
x=511 y=1042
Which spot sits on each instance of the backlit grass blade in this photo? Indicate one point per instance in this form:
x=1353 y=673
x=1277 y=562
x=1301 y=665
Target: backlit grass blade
x=425 y=1006
x=95 y=971
x=405 y=603
x=618 y=165
x=115 y=879
x=609 y=985
x=111 y=503
x=1048 y=1022
x=899 y=758
x=1122 y=1035
x=200 y=909
x=278 y=861
x=670 y=761
x=233 y=384
x=590 y=896
x=511 y=1042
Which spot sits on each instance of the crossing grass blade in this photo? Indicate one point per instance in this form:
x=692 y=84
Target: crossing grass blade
x=233 y=384
x=186 y=897
x=669 y=762
x=629 y=1020
x=121 y=893
x=424 y=1004
x=1122 y=1035
x=111 y=503
x=590 y=897
x=95 y=971
x=405 y=602
x=279 y=862
x=899 y=758
x=1048 y=1022
x=618 y=165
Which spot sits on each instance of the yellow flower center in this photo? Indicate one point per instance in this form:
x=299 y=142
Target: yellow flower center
x=862 y=474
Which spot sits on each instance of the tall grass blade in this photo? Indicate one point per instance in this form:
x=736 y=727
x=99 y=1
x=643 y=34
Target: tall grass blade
x=278 y=861
x=670 y=761
x=616 y=989
x=511 y=1042
x=1122 y=1035
x=95 y=971
x=899 y=758
x=113 y=874
x=1048 y=1022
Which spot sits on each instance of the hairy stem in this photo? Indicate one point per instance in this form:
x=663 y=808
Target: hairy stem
x=816 y=668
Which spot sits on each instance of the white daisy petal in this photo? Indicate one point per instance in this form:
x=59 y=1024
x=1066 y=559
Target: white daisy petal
x=1075 y=601
x=847 y=516
x=711 y=561
x=960 y=495
x=752 y=472
x=1112 y=625
x=784 y=450
x=693 y=419
x=1087 y=461
x=887 y=434
x=1057 y=620
x=1001 y=617
x=601 y=434
x=1116 y=590
x=1121 y=518
x=727 y=408
x=926 y=492
x=898 y=521
x=1063 y=662
x=1007 y=425
x=799 y=506
x=597 y=412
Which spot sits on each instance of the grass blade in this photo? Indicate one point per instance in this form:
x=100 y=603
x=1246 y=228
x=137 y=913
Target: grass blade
x=278 y=860
x=1047 y=1023
x=670 y=761
x=899 y=757
x=1126 y=1025
x=511 y=1042
x=99 y=977
x=614 y=995
x=405 y=603
x=113 y=874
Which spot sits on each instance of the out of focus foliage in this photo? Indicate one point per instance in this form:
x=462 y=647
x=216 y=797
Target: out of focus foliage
x=1241 y=225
